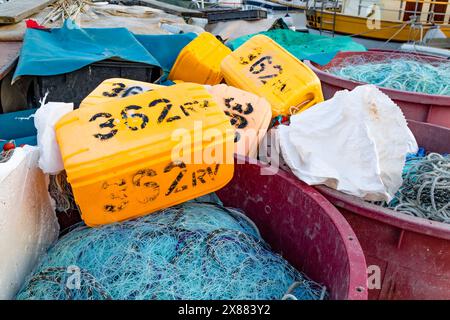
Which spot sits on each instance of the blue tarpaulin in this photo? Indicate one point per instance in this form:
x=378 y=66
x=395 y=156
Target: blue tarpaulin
x=165 y=48
x=66 y=49
x=63 y=50
x=18 y=126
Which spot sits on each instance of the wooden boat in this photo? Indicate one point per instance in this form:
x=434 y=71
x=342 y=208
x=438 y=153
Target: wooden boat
x=393 y=20
x=290 y=5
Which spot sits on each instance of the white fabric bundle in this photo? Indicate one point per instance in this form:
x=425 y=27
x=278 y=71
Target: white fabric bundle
x=355 y=142
x=45 y=119
x=28 y=223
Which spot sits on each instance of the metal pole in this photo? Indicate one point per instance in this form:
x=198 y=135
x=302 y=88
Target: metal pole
x=334 y=17
x=415 y=10
x=431 y=12
x=400 y=10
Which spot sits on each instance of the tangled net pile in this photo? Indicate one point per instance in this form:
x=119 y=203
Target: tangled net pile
x=190 y=251
x=61 y=191
x=414 y=75
x=425 y=191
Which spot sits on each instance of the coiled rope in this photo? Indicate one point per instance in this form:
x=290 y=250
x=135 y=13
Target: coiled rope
x=425 y=192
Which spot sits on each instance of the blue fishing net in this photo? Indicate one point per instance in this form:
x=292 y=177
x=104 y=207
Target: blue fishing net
x=190 y=251
x=306 y=46
x=412 y=158
x=414 y=75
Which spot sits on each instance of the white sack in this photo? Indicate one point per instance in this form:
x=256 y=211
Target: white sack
x=45 y=118
x=28 y=223
x=355 y=142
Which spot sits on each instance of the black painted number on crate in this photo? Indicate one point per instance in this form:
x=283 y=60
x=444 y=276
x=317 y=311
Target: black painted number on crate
x=118 y=195
x=141 y=179
x=237 y=112
x=261 y=68
x=107 y=124
x=119 y=89
x=129 y=115
x=145 y=178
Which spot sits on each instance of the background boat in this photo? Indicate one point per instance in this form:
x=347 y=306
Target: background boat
x=393 y=20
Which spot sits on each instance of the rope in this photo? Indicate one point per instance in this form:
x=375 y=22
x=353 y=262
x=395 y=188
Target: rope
x=425 y=192
x=61 y=191
x=396 y=33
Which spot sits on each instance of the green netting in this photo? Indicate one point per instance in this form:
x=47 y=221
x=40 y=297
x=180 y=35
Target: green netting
x=305 y=46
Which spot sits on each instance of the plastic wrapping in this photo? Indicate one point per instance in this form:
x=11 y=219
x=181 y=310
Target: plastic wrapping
x=45 y=118
x=355 y=142
x=28 y=223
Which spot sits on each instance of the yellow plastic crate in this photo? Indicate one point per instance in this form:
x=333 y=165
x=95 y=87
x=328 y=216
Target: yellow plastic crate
x=199 y=61
x=263 y=67
x=116 y=88
x=248 y=113
x=132 y=156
